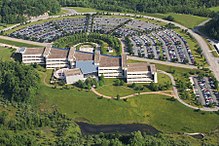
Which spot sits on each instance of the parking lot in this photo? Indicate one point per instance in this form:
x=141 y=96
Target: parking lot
x=204 y=89
x=52 y=30
x=149 y=39
x=162 y=45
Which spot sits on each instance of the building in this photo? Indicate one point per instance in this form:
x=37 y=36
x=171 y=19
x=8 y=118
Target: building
x=73 y=75
x=76 y=65
x=141 y=73
x=32 y=55
x=217 y=47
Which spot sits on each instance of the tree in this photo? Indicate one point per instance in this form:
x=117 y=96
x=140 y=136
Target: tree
x=170 y=18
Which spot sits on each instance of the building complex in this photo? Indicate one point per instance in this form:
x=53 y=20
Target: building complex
x=74 y=65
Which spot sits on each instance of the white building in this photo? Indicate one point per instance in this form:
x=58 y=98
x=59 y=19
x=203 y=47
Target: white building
x=32 y=55
x=141 y=73
x=81 y=65
x=73 y=75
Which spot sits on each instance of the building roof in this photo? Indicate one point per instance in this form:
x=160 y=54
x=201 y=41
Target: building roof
x=58 y=53
x=46 y=51
x=86 y=67
x=217 y=46
x=72 y=72
x=109 y=61
x=34 y=51
x=71 y=53
x=97 y=57
x=124 y=60
x=138 y=67
x=83 y=56
x=153 y=68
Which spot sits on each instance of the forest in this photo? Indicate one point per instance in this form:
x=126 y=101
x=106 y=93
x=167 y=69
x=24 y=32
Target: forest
x=18 y=83
x=15 y=11
x=196 y=7
x=212 y=27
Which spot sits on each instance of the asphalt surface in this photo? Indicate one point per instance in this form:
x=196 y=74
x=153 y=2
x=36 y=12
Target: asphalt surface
x=211 y=60
x=162 y=62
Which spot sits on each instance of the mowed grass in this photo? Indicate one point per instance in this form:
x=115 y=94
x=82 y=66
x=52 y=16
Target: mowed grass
x=14 y=43
x=216 y=9
x=84 y=10
x=111 y=90
x=5 y=53
x=189 y=21
x=155 y=110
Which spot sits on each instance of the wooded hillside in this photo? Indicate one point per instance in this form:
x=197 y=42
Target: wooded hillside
x=197 y=7
x=14 y=11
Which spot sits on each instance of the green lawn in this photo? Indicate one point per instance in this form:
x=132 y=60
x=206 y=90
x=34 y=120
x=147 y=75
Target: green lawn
x=18 y=44
x=5 y=53
x=111 y=90
x=216 y=9
x=156 y=110
x=84 y=10
x=62 y=12
x=189 y=21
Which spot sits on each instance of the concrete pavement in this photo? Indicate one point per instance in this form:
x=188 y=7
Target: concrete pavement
x=25 y=41
x=162 y=62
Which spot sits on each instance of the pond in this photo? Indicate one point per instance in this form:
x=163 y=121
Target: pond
x=120 y=128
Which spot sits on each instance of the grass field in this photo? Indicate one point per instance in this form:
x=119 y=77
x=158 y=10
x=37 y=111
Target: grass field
x=156 y=110
x=84 y=10
x=189 y=21
x=216 y=9
x=62 y=12
x=5 y=53
x=110 y=90
x=18 y=44
x=2 y=26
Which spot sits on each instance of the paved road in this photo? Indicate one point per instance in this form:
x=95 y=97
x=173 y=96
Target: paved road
x=25 y=41
x=211 y=60
x=180 y=100
x=162 y=62
x=175 y=94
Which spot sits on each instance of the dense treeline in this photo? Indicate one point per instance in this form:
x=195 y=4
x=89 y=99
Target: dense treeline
x=14 y=11
x=212 y=27
x=18 y=82
x=27 y=126
x=197 y=7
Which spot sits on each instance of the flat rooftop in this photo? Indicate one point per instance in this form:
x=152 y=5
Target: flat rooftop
x=86 y=67
x=72 y=72
x=138 y=67
x=109 y=61
x=58 y=53
x=34 y=51
x=83 y=56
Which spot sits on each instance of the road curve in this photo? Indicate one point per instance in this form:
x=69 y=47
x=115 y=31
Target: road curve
x=212 y=61
x=25 y=41
x=162 y=62
x=176 y=95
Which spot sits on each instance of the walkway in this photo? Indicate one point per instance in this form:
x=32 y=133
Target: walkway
x=25 y=41
x=175 y=94
x=132 y=95
x=162 y=62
